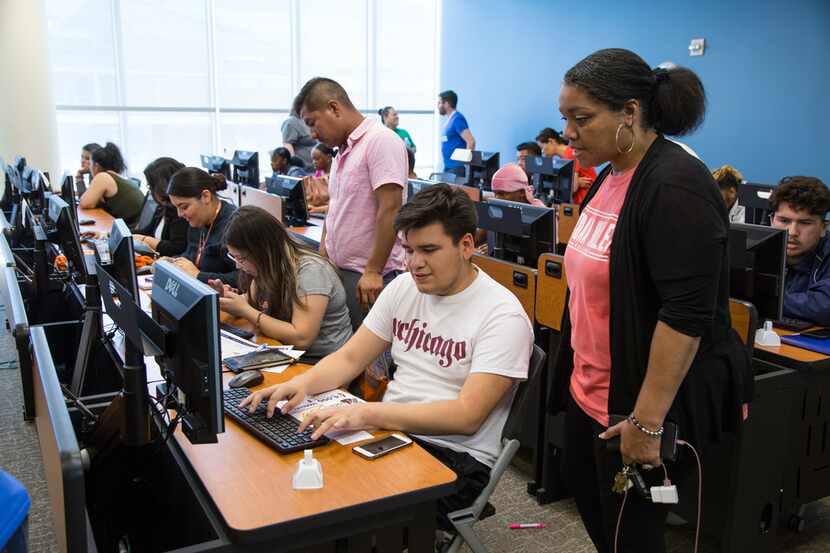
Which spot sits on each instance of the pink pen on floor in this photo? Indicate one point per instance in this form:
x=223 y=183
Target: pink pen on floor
x=521 y=526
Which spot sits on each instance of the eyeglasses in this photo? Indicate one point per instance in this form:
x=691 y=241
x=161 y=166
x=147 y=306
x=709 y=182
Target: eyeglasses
x=239 y=260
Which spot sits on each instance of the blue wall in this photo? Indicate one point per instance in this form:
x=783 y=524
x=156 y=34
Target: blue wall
x=766 y=70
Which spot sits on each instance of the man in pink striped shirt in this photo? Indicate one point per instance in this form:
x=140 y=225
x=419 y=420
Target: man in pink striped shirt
x=366 y=189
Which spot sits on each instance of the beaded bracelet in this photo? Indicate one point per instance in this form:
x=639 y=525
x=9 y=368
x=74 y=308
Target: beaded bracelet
x=639 y=426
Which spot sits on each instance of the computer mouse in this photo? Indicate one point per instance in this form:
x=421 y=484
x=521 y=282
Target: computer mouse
x=247 y=379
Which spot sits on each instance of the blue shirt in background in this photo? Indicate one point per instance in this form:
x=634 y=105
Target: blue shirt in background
x=451 y=138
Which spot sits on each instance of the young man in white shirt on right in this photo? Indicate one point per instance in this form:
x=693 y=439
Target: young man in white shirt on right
x=461 y=343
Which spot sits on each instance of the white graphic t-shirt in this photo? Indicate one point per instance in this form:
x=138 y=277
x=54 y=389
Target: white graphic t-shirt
x=437 y=341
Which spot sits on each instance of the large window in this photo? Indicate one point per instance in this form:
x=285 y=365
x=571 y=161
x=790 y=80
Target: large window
x=188 y=77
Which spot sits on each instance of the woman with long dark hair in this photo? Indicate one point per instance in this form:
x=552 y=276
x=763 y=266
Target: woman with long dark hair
x=173 y=238
x=288 y=291
x=110 y=189
x=193 y=193
x=646 y=334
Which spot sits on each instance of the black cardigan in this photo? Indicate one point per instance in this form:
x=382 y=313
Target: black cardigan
x=173 y=239
x=668 y=262
x=215 y=263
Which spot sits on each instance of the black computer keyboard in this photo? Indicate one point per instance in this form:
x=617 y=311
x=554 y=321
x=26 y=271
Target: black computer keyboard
x=236 y=331
x=792 y=324
x=279 y=432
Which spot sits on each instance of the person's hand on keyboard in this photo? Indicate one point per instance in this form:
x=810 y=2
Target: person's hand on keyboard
x=352 y=417
x=292 y=392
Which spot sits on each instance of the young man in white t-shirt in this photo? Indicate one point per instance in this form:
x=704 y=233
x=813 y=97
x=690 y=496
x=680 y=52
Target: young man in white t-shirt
x=460 y=340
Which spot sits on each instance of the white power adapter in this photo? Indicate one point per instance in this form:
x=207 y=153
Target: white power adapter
x=664 y=494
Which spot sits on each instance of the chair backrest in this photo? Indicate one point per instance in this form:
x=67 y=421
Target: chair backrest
x=61 y=453
x=260 y=198
x=515 y=422
x=517 y=278
x=568 y=216
x=744 y=320
x=145 y=225
x=448 y=178
x=551 y=289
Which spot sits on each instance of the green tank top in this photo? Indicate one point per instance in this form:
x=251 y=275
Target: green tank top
x=127 y=202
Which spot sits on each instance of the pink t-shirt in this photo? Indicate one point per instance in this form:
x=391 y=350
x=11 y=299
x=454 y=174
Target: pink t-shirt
x=587 y=267
x=373 y=156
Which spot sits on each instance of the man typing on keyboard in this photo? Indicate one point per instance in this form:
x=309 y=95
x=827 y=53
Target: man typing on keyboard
x=460 y=340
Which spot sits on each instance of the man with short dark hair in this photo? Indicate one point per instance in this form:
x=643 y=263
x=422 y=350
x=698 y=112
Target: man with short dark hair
x=455 y=133
x=800 y=205
x=526 y=149
x=367 y=184
x=460 y=340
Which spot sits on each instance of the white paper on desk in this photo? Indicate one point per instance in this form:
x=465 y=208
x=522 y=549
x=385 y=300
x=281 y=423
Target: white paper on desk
x=145 y=282
x=234 y=345
x=332 y=398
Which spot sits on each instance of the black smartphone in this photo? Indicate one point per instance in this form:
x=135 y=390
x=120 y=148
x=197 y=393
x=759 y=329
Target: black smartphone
x=381 y=446
x=668 y=443
x=820 y=333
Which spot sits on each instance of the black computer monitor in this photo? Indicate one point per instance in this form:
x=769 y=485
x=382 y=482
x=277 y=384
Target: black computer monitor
x=520 y=232
x=123 y=257
x=246 y=168
x=290 y=189
x=757 y=261
x=65 y=235
x=482 y=167
x=216 y=164
x=754 y=197
x=416 y=185
x=189 y=312
x=11 y=193
x=552 y=178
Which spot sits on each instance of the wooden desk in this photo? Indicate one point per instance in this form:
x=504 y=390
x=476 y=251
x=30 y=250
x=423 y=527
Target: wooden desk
x=510 y=275
x=568 y=216
x=103 y=220
x=250 y=485
x=792 y=357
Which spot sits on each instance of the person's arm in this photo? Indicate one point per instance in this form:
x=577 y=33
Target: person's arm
x=102 y=186
x=684 y=238
x=176 y=241
x=467 y=136
x=389 y=198
x=811 y=305
x=322 y=248
x=229 y=277
x=333 y=371
x=288 y=146
x=300 y=332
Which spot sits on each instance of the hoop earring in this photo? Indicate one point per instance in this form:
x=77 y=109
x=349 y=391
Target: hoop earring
x=617 y=140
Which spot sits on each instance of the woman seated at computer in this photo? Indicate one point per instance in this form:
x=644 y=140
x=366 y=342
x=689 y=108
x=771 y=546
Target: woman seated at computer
x=283 y=163
x=173 y=238
x=109 y=189
x=86 y=161
x=317 y=186
x=289 y=292
x=193 y=193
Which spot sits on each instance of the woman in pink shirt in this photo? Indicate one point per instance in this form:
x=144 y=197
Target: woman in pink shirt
x=646 y=335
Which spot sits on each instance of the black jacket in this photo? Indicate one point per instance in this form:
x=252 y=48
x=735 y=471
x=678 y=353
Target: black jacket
x=215 y=264
x=173 y=239
x=668 y=262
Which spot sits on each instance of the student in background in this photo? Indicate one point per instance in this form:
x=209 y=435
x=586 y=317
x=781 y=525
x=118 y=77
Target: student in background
x=289 y=292
x=510 y=183
x=800 y=205
x=389 y=117
x=86 y=161
x=283 y=163
x=109 y=189
x=193 y=193
x=553 y=144
x=173 y=239
x=455 y=133
x=526 y=149
x=367 y=190
x=453 y=390
x=646 y=332
x=296 y=138
x=410 y=157
x=321 y=158
x=729 y=181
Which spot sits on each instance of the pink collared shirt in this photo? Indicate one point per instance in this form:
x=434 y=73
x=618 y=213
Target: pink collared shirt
x=373 y=156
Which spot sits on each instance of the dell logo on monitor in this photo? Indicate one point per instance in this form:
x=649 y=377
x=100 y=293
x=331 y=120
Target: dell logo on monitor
x=172 y=287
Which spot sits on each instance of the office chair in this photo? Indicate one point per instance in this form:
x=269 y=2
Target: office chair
x=147 y=219
x=448 y=178
x=464 y=519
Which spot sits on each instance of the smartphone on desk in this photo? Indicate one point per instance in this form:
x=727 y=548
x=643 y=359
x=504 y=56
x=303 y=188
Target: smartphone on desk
x=819 y=333
x=381 y=446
